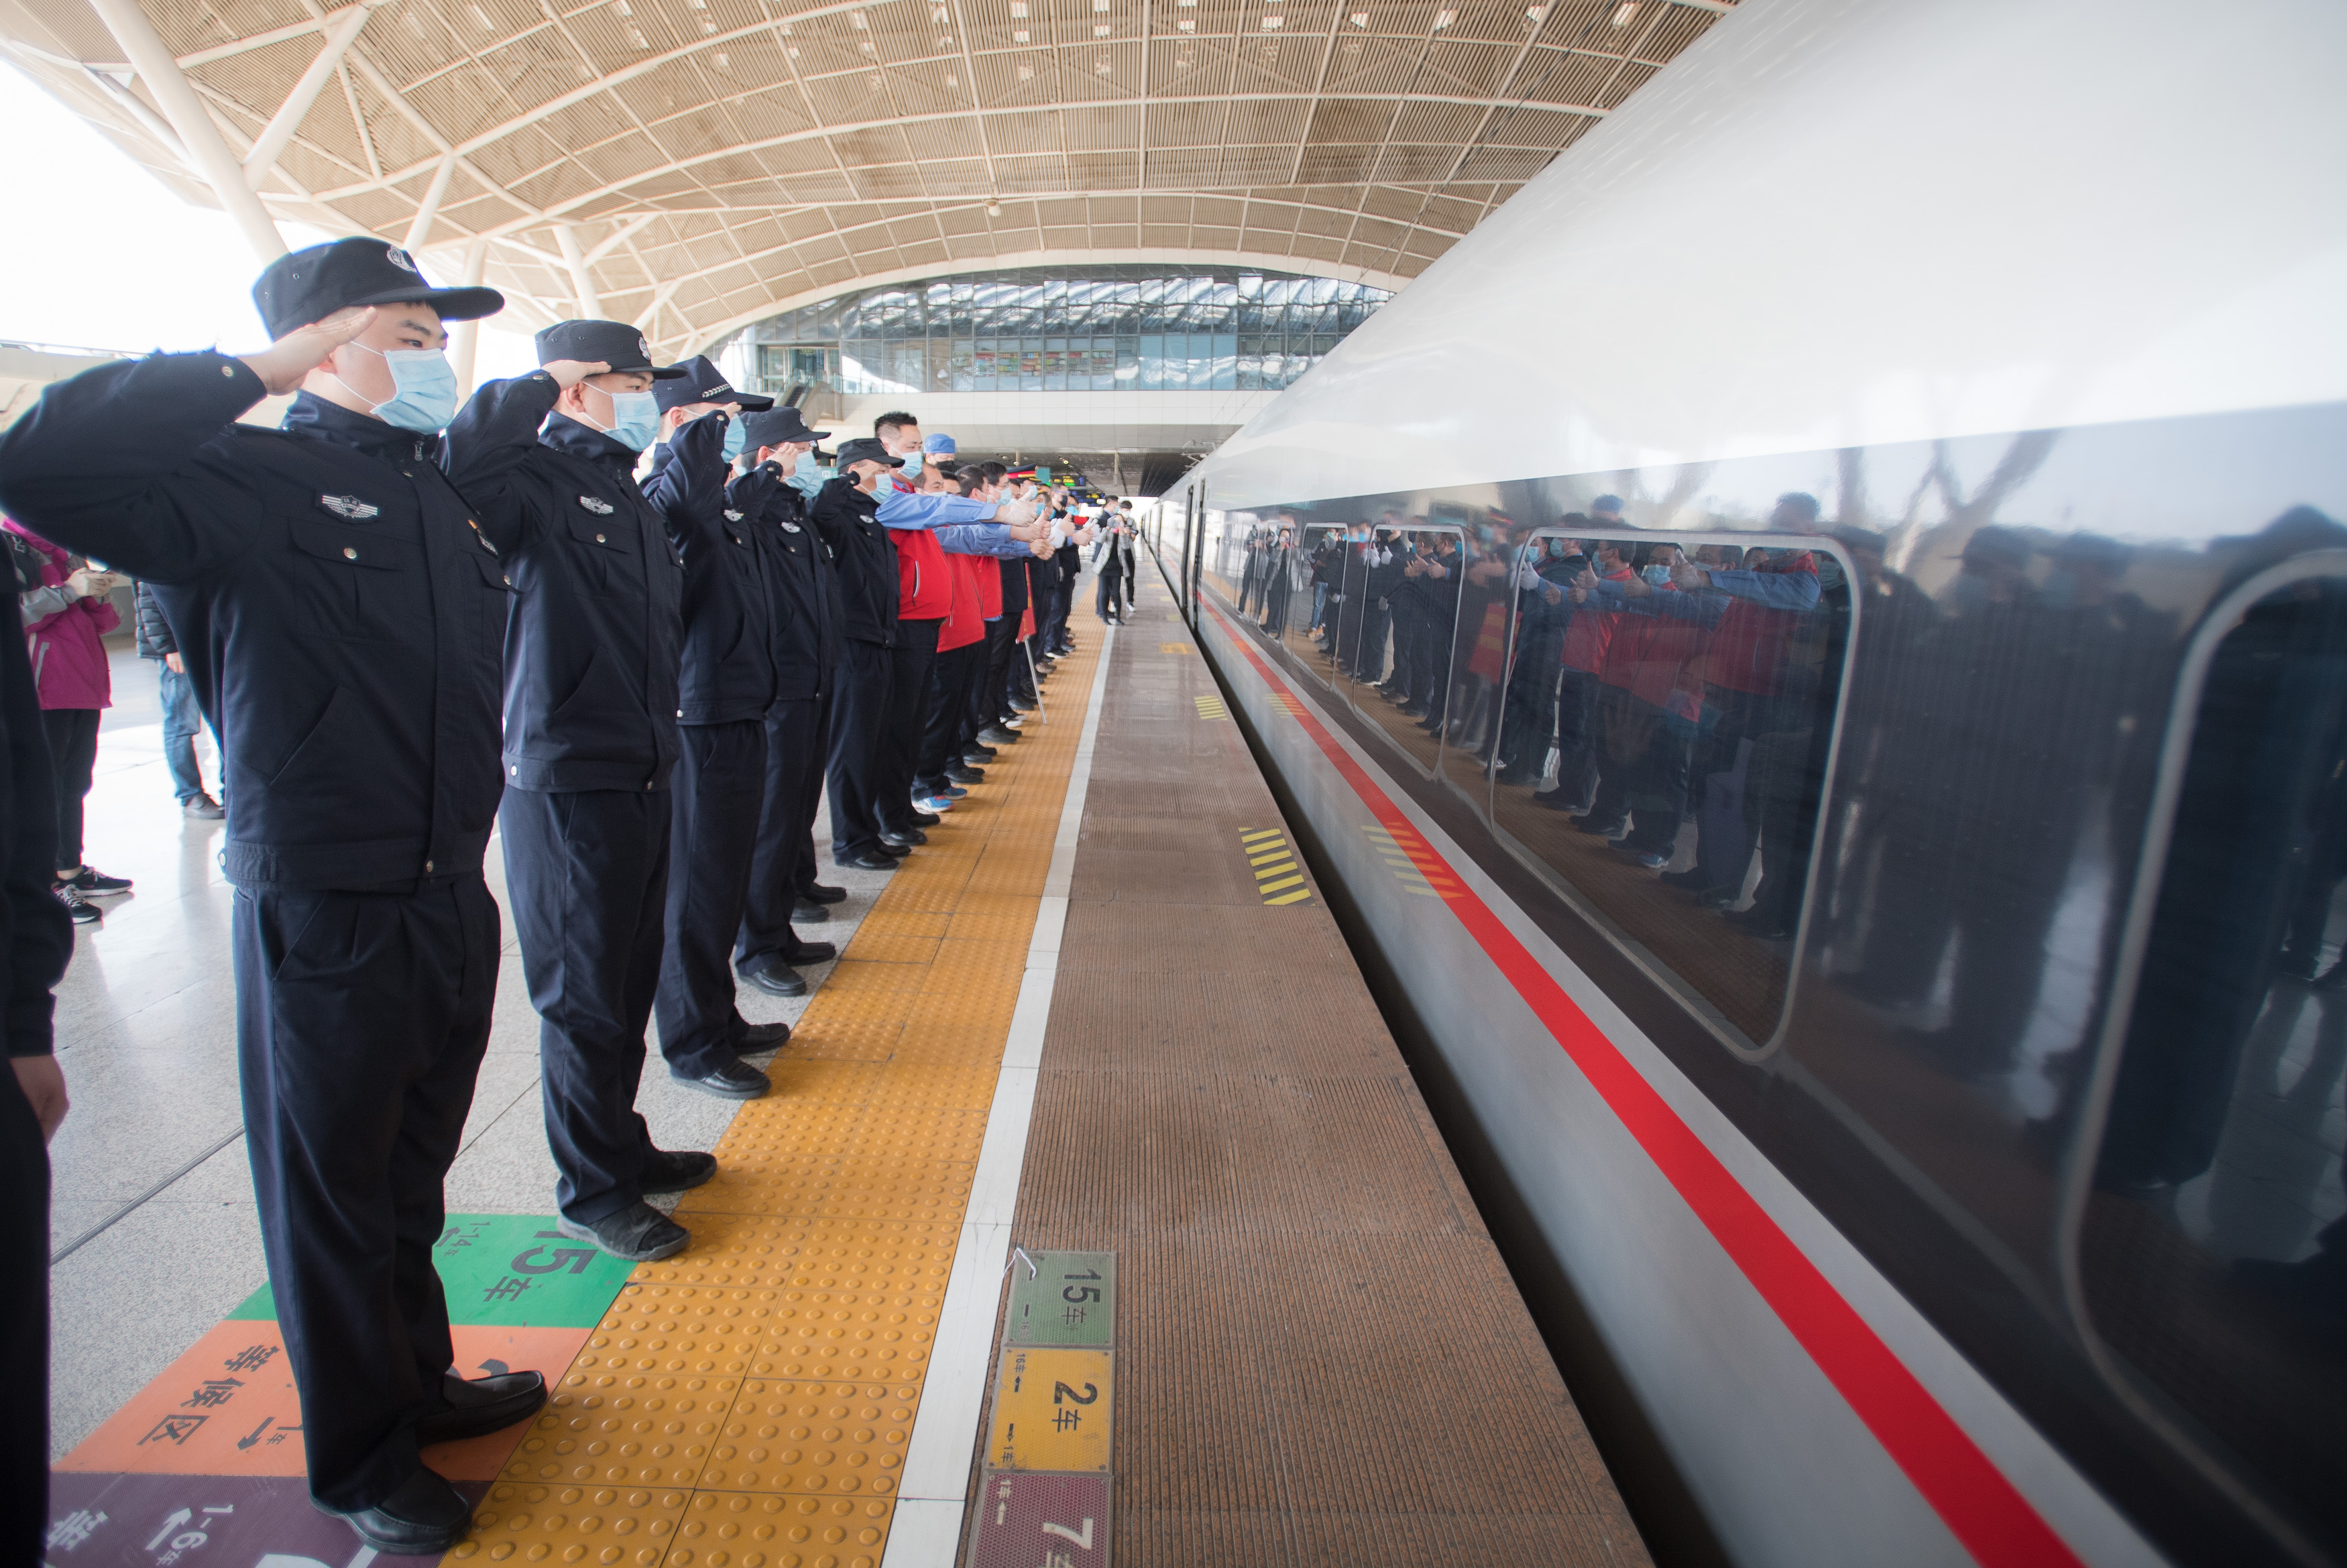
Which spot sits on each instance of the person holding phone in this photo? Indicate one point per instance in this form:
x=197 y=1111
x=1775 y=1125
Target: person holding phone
x=65 y=618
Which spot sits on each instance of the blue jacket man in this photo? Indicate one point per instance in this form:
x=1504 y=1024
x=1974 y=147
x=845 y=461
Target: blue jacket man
x=340 y=613
x=590 y=741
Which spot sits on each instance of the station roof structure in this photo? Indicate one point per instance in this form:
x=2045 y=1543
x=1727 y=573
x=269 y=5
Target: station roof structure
x=694 y=165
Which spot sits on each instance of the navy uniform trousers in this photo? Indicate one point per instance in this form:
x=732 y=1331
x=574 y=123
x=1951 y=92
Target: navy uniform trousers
x=587 y=872
x=361 y=1019
x=951 y=678
x=915 y=656
x=24 y=1327
x=986 y=696
x=719 y=789
x=783 y=865
x=859 y=726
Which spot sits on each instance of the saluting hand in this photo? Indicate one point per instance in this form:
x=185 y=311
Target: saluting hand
x=567 y=373
x=281 y=365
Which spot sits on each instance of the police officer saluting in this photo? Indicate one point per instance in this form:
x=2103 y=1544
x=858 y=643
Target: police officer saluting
x=729 y=683
x=807 y=633
x=340 y=614
x=591 y=739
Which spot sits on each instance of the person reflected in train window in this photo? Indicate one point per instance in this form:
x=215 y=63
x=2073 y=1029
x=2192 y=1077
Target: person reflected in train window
x=1282 y=575
x=1442 y=575
x=1485 y=614
x=1653 y=713
x=1991 y=814
x=2266 y=742
x=1409 y=604
x=1380 y=567
x=1605 y=512
x=1587 y=638
x=1528 y=719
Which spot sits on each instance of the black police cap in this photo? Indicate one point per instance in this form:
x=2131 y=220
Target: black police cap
x=615 y=343
x=705 y=382
x=864 y=449
x=311 y=284
x=779 y=427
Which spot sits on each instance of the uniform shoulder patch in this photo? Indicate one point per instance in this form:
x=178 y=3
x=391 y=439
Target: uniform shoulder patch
x=597 y=504
x=349 y=506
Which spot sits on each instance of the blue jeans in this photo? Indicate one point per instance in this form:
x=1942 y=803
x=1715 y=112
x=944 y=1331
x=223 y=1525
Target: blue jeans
x=181 y=720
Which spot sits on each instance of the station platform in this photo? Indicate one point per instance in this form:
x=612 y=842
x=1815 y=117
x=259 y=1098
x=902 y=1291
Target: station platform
x=1094 y=1218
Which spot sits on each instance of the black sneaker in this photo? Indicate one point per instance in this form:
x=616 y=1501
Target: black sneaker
x=673 y=1170
x=996 y=736
x=977 y=756
x=204 y=806
x=734 y=1081
x=924 y=819
x=93 y=883
x=80 y=908
x=965 y=774
x=639 y=1233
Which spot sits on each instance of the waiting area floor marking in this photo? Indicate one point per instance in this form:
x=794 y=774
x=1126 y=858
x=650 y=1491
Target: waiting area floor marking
x=745 y=1404
x=1175 y=649
x=1277 y=877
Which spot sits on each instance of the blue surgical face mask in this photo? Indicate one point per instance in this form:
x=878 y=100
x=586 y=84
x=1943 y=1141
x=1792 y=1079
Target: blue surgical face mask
x=735 y=438
x=635 y=419
x=1657 y=574
x=423 y=395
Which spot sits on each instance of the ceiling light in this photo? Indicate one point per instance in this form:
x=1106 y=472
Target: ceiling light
x=857 y=18
x=994 y=209
x=1624 y=12
x=1271 y=24
x=1019 y=36
x=1444 y=19
x=1187 y=24
x=1026 y=73
x=1101 y=67
x=1361 y=18
x=1535 y=13
x=1100 y=29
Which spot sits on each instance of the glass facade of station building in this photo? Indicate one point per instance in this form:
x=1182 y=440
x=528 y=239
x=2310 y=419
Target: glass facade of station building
x=1094 y=328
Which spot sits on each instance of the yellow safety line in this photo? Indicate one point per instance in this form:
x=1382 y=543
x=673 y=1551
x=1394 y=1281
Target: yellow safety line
x=747 y=1403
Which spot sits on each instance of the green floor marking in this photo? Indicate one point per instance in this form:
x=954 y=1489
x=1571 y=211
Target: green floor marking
x=509 y=1271
x=1069 y=1300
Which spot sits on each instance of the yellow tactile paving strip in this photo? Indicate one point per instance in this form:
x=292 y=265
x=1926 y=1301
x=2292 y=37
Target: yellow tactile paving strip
x=746 y=1404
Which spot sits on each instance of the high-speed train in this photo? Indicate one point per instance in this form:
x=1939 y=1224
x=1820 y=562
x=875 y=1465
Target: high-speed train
x=1811 y=649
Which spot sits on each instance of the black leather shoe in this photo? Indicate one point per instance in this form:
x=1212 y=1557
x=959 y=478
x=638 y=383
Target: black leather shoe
x=871 y=860
x=995 y=735
x=903 y=837
x=780 y=979
x=818 y=893
x=758 y=1036
x=805 y=913
x=675 y=1170
x=803 y=952
x=966 y=774
x=734 y=1081
x=639 y=1233
x=977 y=756
x=482 y=1405
x=423 y=1519
x=925 y=820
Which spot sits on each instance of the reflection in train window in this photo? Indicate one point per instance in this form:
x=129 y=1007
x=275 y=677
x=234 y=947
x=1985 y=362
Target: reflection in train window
x=2212 y=1256
x=1656 y=739
x=1394 y=631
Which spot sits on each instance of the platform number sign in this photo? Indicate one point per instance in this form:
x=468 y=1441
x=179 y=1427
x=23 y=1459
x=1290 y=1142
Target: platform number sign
x=1041 y=1522
x=1069 y=1300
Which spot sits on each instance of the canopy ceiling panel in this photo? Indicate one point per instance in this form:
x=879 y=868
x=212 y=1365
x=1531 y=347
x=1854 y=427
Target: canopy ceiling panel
x=692 y=164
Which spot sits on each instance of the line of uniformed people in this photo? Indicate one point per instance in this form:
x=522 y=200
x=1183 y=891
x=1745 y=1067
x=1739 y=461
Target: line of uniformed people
x=407 y=639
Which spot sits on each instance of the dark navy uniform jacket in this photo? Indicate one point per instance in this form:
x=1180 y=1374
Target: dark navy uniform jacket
x=591 y=657
x=339 y=611
x=732 y=648
x=870 y=589
x=807 y=610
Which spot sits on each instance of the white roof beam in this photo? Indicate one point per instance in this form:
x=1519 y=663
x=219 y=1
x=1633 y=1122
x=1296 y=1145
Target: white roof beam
x=583 y=277
x=151 y=58
x=621 y=236
x=420 y=228
x=341 y=28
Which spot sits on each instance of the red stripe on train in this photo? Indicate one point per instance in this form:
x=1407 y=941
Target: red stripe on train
x=1972 y=1496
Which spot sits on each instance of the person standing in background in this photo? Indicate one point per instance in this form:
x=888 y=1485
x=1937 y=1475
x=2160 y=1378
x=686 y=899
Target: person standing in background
x=63 y=619
x=182 y=715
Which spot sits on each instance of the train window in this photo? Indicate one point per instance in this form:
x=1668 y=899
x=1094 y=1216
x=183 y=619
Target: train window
x=1396 y=628
x=2211 y=1231
x=1653 y=719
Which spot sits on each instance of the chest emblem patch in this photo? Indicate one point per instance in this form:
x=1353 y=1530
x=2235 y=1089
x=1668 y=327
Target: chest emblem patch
x=597 y=504
x=790 y=527
x=732 y=516
x=349 y=507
